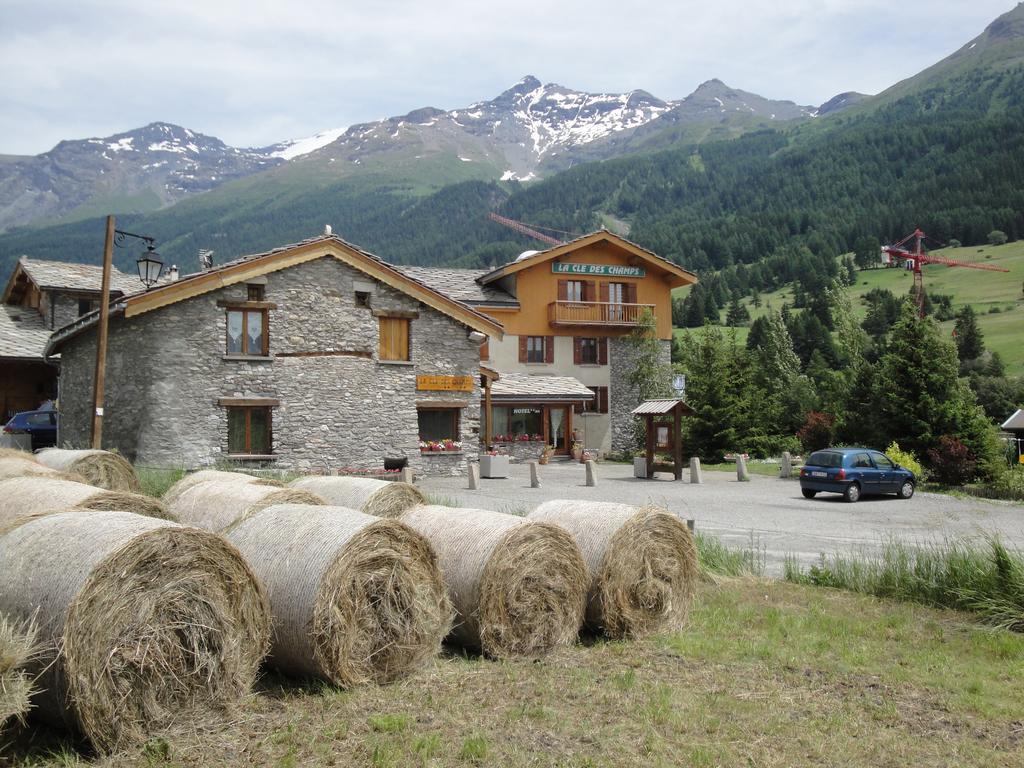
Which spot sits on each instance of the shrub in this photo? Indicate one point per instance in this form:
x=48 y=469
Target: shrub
x=906 y=459
x=819 y=431
x=952 y=461
x=767 y=446
x=997 y=237
x=1009 y=484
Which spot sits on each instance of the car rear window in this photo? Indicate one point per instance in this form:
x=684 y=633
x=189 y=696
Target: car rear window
x=826 y=459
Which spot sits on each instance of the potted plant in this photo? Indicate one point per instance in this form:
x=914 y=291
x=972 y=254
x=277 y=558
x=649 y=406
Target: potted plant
x=545 y=454
x=493 y=465
x=577 y=450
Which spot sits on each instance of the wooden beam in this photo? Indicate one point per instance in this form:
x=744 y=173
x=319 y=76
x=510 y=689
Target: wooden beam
x=254 y=402
x=100 y=374
x=243 y=304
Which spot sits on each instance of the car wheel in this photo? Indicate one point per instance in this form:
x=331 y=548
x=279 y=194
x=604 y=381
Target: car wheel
x=808 y=493
x=906 y=490
x=852 y=493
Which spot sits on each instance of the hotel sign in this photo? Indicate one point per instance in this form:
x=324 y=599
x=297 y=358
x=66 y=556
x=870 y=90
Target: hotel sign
x=446 y=383
x=606 y=270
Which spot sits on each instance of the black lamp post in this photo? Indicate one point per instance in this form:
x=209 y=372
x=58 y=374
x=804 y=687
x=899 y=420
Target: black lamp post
x=149 y=265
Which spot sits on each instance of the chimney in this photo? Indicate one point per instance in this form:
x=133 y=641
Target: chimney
x=327 y=230
x=172 y=273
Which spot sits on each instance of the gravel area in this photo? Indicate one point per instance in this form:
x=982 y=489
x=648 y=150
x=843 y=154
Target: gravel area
x=768 y=512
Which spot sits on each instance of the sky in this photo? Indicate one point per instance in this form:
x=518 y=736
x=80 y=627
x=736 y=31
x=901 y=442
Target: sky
x=254 y=72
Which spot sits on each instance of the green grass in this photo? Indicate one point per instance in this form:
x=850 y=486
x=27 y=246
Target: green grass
x=962 y=574
x=155 y=481
x=718 y=559
x=754 y=467
x=982 y=289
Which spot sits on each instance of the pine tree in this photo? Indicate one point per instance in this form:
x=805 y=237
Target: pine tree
x=649 y=377
x=737 y=314
x=970 y=343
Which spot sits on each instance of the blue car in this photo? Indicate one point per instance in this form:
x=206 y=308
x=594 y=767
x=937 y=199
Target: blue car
x=42 y=425
x=854 y=472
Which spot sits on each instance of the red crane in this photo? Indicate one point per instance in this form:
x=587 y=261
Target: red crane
x=523 y=229
x=919 y=257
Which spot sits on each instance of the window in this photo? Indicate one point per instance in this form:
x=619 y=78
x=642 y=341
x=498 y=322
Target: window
x=438 y=424
x=394 y=338
x=574 y=290
x=362 y=298
x=255 y=292
x=598 y=405
x=249 y=430
x=588 y=351
x=882 y=461
x=247 y=332
x=517 y=423
x=535 y=349
x=85 y=306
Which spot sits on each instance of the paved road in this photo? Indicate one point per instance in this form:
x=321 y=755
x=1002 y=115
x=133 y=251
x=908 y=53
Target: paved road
x=768 y=511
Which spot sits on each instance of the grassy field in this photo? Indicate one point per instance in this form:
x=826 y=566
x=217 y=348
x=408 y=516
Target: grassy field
x=997 y=297
x=766 y=674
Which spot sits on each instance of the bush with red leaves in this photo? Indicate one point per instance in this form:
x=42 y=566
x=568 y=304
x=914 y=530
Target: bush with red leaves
x=952 y=461
x=818 y=431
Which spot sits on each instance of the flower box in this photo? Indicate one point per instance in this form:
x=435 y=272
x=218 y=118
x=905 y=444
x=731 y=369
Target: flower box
x=493 y=466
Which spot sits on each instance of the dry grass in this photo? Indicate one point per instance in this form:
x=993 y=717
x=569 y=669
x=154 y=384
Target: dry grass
x=766 y=674
x=17 y=644
x=35 y=495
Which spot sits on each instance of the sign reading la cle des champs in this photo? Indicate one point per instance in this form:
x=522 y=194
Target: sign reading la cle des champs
x=445 y=383
x=610 y=270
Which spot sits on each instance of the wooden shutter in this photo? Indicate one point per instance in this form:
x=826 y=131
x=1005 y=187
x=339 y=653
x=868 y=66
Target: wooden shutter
x=577 y=350
x=485 y=349
x=549 y=349
x=563 y=290
x=630 y=293
x=602 y=399
x=602 y=351
x=394 y=338
x=603 y=292
x=522 y=348
x=589 y=291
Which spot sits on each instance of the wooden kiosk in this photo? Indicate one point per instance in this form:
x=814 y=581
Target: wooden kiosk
x=664 y=433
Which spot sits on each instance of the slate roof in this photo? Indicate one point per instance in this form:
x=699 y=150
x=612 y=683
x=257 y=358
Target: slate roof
x=461 y=285
x=524 y=387
x=23 y=334
x=58 y=275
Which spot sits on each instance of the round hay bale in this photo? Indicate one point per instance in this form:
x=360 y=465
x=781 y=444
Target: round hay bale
x=21 y=496
x=215 y=505
x=519 y=587
x=641 y=564
x=381 y=498
x=144 y=624
x=204 y=475
x=354 y=599
x=100 y=468
x=15 y=453
x=17 y=644
x=26 y=466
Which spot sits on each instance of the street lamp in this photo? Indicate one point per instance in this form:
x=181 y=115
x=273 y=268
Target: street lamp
x=150 y=267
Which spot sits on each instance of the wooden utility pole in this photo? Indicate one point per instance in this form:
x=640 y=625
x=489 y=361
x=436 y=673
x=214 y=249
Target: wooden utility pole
x=101 y=339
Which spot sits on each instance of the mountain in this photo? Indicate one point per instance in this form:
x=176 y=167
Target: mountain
x=140 y=170
x=529 y=131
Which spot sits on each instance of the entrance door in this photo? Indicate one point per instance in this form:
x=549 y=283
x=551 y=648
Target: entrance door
x=558 y=428
x=616 y=297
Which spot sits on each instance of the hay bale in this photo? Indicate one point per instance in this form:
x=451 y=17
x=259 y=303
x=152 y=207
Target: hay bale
x=145 y=624
x=215 y=505
x=26 y=466
x=381 y=498
x=17 y=644
x=641 y=564
x=100 y=468
x=23 y=496
x=519 y=587
x=354 y=598
x=203 y=475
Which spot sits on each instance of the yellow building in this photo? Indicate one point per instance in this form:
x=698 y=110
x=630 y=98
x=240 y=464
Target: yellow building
x=563 y=364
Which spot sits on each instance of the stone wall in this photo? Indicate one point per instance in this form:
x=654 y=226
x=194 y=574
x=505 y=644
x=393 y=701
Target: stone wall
x=339 y=405
x=622 y=398
x=521 y=450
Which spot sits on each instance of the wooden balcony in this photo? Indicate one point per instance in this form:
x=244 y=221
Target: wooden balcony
x=601 y=313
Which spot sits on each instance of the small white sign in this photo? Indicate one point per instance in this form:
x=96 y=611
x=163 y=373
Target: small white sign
x=99 y=411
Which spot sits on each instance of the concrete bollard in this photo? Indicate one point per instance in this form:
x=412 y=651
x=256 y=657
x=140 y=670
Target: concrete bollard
x=591 y=473
x=696 y=477
x=534 y=475
x=474 y=475
x=405 y=475
x=787 y=465
x=741 y=469
x=691 y=524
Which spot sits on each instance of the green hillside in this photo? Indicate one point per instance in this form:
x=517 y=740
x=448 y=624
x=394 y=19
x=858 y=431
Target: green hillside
x=997 y=297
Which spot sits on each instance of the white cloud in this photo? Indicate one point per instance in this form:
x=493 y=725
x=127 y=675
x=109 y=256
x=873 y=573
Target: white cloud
x=256 y=72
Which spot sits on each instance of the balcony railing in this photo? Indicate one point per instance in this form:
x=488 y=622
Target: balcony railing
x=596 y=313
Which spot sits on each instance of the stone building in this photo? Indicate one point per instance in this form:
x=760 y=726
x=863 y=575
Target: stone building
x=39 y=297
x=314 y=357
x=565 y=361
